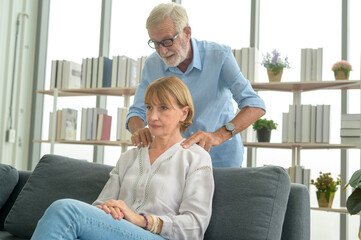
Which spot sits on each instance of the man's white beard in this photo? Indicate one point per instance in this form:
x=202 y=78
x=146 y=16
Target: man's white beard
x=177 y=58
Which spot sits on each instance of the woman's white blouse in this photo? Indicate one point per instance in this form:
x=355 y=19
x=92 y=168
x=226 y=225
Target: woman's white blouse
x=178 y=188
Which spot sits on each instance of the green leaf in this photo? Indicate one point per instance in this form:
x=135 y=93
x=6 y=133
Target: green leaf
x=355 y=179
x=353 y=203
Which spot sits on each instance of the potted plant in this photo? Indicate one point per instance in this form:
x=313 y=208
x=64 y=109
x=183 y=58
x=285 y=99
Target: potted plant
x=263 y=126
x=342 y=69
x=275 y=65
x=326 y=188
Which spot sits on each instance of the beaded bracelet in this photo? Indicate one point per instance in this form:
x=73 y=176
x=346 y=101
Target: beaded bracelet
x=146 y=220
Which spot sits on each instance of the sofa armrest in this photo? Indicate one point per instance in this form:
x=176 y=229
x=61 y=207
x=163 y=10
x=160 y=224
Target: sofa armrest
x=23 y=178
x=297 y=219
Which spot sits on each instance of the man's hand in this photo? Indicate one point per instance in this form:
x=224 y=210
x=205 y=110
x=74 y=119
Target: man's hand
x=204 y=139
x=142 y=137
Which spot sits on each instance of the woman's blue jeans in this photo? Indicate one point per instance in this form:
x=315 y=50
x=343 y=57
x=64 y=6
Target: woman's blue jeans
x=73 y=219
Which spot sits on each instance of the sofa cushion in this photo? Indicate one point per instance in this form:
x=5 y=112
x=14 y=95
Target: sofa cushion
x=9 y=177
x=54 y=177
x=249 y=203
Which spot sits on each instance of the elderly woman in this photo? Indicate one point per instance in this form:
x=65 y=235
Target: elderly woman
x=161 y=191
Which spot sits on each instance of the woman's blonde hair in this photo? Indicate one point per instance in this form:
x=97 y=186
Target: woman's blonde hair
x=157 y=91
x=164 y=11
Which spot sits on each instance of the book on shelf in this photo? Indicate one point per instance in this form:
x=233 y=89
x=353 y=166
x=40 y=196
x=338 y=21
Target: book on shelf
x=94 y=78
x=103 y=127
x=351 y=117
x=83 y=124
x=122 y=133
x=350 y=132
x=114 y=72
x=71 y=77
x=68 y=125
x=96 y=111
x=306 y=123
x=244 y=66
x=89 y=71
x=248 y=135
x=58 y=125
x=122 y=71
x=356 y=141
x=83 y=72
x=104 y=72
x=53 y=74
x=319 y=121
x=298 y=123
x=311 y=64
x=131 y=74
x=299 y=174
x=140 y=65
x=351 y=124
x=59 y=74
x=326 y=123
x=291 y=123
x=285 y=127
x=313 y=125
x=252 y=65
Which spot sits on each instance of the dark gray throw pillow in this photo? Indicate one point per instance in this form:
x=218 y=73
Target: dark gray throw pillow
x=249 y=203
x=9 y=177
x=55 y=177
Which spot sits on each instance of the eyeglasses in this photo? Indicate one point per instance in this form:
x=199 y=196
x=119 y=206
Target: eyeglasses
x=165 y=43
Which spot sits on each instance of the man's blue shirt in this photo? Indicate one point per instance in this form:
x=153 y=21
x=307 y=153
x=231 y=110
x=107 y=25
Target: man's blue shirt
x=213 y=78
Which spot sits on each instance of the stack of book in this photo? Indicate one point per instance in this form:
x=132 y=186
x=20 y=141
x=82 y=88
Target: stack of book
x=301 y=175
x=96 y=72
x=122 y=133
x=306 y=124
x=100 y=72
x=65 y=124
x=311 y=64
x=91 y=128
x=350 y=129
x=65 y=75
x=247 y=60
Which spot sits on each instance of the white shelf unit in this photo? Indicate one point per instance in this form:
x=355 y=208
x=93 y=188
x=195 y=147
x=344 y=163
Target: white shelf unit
x=297 y=88
x=120 y=92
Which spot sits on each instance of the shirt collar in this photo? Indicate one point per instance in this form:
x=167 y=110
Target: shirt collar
x=196 y=62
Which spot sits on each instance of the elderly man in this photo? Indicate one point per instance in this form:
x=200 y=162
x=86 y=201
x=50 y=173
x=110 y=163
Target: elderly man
x=213 y=77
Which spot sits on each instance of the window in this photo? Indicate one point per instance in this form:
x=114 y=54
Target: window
x=73 y=35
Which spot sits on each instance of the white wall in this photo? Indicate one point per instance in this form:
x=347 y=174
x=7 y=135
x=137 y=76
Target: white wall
x=16 y=154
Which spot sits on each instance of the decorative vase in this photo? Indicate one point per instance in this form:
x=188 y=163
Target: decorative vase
x=325 y=199
x=274 y=77
x=263 y=135
x=340 y=75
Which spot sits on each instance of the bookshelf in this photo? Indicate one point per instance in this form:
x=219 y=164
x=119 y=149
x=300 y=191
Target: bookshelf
x=341 y=210
x=125 y=92
x=297 y=88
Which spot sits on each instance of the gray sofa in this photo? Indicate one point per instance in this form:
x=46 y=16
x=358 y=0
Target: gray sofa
x=249 y=203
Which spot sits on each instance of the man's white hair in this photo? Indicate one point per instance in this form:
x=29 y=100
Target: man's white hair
x=165 y=11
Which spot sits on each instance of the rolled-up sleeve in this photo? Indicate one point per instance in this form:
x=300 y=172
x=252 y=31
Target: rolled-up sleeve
x=240 y=87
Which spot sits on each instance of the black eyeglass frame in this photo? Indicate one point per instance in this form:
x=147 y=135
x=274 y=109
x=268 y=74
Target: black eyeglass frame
x=156 y=44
